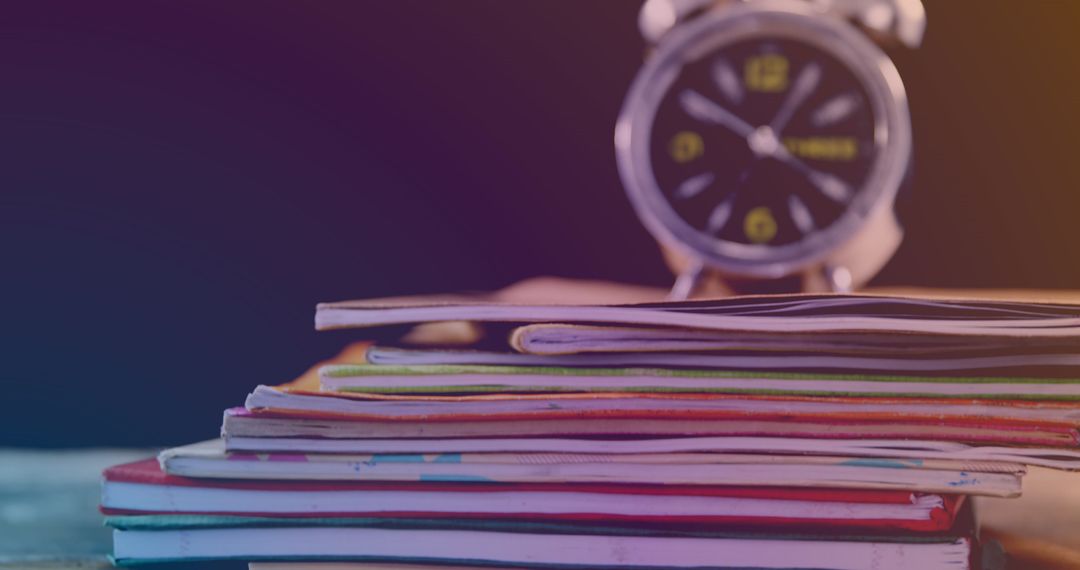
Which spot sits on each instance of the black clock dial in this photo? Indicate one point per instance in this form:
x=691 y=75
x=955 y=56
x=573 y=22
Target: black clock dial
x=764 y=141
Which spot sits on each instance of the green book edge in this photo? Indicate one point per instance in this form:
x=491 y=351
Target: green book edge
x=500 y=389
x=349 y=370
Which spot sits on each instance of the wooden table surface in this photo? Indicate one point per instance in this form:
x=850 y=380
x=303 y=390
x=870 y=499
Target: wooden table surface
x=48 y=506
x=48 y=509
x=1041 y=529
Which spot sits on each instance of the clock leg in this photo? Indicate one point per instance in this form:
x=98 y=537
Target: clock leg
x=687 y=281
x=838 y=277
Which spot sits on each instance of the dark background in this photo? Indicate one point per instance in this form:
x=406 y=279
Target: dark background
x=181 y=182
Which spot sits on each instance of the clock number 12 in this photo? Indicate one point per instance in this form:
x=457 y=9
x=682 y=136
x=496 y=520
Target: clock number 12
x=766 y=73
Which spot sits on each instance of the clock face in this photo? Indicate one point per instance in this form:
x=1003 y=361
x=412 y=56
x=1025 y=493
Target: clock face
x=765 y=142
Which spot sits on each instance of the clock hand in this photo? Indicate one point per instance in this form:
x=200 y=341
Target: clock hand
x=703 y=109
x=763 y=141
x=805 y=84
x=829 y=185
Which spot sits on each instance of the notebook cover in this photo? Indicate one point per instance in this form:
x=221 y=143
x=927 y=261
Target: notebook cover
x=818 y=532
x=148 y=471
x=553 y=375
x=554 y=413
x=789 y=426
x=773 y=313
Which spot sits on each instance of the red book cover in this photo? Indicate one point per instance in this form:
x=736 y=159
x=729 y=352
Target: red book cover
x=148 y=472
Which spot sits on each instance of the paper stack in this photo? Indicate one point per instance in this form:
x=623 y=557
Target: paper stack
x=837 y=432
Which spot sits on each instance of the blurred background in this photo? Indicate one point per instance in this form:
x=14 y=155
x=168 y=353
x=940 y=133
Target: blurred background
x=180 y=183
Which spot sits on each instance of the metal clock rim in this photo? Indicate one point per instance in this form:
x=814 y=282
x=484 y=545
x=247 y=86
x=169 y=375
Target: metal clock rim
x=786 y=18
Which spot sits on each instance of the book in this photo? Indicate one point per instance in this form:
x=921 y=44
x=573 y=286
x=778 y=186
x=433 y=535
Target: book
x=1045 y=365
x=142 y=487
x=536 y=550
x=766 y=313
x=498 y=379
x=342 y=396
x=286 y=422
x=685 y=408
x=559 y=339
x=210 y=459
x=613 y=355
x=879 y=448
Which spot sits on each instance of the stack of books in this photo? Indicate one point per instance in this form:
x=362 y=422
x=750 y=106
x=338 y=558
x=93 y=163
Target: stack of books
x=838 y=432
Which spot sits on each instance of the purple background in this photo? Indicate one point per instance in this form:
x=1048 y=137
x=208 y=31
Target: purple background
x=180 y=182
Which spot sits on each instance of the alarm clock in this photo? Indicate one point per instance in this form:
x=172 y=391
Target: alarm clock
x=764 y=142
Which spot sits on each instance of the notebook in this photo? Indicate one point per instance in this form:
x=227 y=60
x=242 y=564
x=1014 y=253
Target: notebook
x=554 y=339
x=500 y=379
x=882 y=448
x=142 y=487
x=462 y=546
x=1047 y=365
x=286 y=419
x=767 y=313
x=210 y=459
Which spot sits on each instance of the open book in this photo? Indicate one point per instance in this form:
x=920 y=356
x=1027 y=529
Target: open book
x=865 y=333
x=767 y=313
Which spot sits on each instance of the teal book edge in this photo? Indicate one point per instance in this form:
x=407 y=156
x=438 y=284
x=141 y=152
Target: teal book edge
x=206 y=522
x=449 y=562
